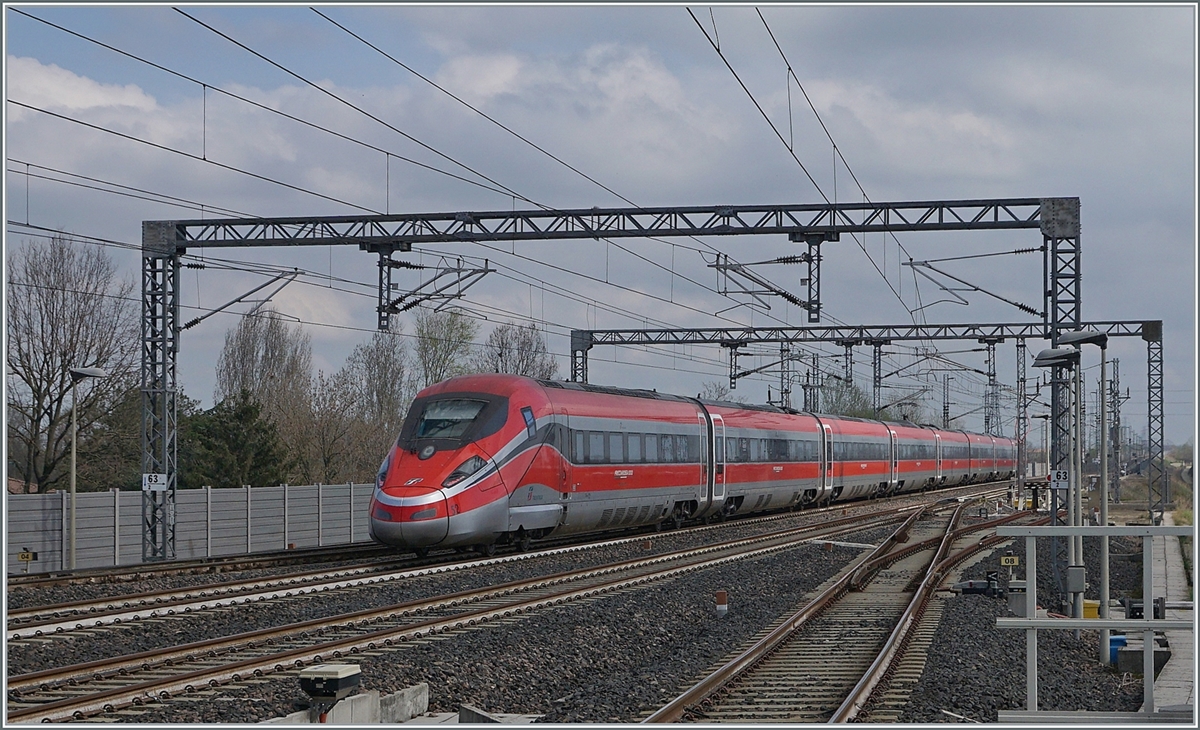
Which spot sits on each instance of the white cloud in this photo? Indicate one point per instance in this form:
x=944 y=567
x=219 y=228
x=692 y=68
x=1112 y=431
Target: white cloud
x=918 y=136
x=51 y=87
x=477 y=79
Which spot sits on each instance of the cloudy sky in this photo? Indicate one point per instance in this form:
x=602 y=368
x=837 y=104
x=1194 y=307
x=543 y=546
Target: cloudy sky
x=924 y=103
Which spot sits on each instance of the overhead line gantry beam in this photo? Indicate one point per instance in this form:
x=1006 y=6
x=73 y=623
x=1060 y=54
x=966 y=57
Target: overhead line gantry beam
x=402 y=231
x=842 y=335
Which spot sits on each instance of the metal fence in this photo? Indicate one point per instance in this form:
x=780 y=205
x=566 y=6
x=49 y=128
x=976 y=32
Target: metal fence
x=208 y=522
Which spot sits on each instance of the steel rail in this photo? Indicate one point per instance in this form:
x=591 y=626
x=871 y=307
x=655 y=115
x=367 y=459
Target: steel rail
x=862 y=690
x=30 y=622
x=101 y=668
x=675 y=710
x=164 y=688
x=861 y=695
x=217 y=564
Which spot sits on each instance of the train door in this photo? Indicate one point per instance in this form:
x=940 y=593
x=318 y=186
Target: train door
x=566 y=473
x=893 y=464
x=937 y=457
x=718 y=450
x=564 y=461
x=826 y=460
x=995 y=461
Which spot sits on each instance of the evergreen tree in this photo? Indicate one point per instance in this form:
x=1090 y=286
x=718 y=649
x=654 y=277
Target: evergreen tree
x=233 y=444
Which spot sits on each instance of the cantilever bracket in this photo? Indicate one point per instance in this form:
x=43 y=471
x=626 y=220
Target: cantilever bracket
x=813 y=259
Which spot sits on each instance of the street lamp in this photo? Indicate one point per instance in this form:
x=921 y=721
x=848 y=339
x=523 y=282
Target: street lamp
x=1099 y=339
x=77 y=374
x=1068 y=357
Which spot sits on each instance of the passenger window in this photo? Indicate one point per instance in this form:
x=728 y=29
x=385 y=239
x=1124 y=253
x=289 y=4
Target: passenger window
x=577 y=455
x=721 y=447
x=616 y=448
x=651 y=448
x=595 y=447
x=681 y=449
x=743 y=450
x=635 y=448
x=668 y=447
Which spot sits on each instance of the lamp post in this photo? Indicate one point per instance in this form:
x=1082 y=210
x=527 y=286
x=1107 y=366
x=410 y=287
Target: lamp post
x=1068 y=357
x=1099 y=339
x=77 y=374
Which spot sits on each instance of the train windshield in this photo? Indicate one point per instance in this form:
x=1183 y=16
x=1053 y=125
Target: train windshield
x=448 y=419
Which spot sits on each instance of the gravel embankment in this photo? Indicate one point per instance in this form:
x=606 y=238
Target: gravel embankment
x=975 y=669
x=610 y=659
x=616 y=657
x=145 y=636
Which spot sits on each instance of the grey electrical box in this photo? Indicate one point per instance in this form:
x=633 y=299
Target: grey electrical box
x=330 y=682
x=1016 y=598
x=1076 y=579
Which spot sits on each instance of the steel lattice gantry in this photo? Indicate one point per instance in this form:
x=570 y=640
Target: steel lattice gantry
x=160 y=348
x=1157 y=472
x=811 y=224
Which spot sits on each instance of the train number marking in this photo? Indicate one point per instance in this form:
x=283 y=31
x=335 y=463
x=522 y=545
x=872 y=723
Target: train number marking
x=623 y=473
x=411 y=482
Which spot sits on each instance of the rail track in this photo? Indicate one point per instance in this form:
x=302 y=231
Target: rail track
x=866 y=618
x=62 y=619
x=107 y=686
x=199 y=566
x=267 y=560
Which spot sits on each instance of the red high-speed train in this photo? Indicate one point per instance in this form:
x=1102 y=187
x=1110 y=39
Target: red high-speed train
x=501 y=459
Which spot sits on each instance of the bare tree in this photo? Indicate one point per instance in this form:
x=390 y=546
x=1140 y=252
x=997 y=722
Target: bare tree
x=66 y=309
x=905 y=405
x=518 y=350
x=383 y=377
x=715 y=390
x=335 y=432
x=443 y=342
x=272 y=362
x=840 y=398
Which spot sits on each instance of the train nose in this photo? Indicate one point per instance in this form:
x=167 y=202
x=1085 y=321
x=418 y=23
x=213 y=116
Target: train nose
x=428 y=523
x=418 y=519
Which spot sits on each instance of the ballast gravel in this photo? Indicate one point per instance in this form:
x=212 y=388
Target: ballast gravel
x=141 y=636
x=974 y=669
x=611 y=658
x=617 y=657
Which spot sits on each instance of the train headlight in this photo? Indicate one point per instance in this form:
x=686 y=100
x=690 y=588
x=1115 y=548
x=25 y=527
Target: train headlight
x=383 y=470
x=464 y=470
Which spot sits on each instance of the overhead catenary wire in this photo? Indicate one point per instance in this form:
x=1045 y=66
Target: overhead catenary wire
x=795 y=157
x=193 y=156
x=493 y=120
x=355 y=107
x=633 y=290
x=505 y=190
x=203 y=157
x=258 y=105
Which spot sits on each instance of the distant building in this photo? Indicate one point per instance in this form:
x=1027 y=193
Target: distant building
x=16 y=486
